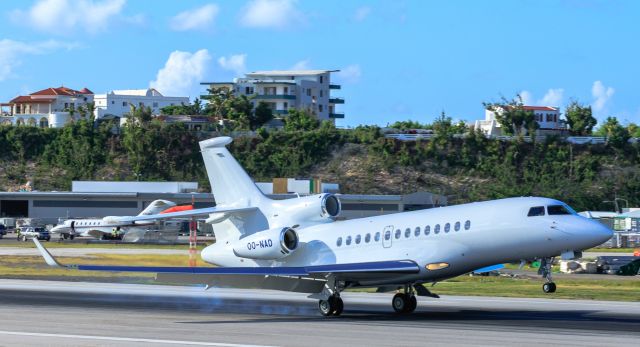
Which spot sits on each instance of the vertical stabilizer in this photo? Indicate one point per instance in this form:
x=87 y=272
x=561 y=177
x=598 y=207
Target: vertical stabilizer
x=230 y=184
x=156 y=207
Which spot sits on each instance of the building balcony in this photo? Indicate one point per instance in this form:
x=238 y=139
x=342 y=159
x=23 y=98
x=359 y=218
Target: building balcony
x=336 y=115
x=335 y=86
x=336 y=100
x=275 y=96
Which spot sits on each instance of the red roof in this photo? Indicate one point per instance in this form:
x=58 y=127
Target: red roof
x=540 y=108
x=27 y=99
x=62 y=91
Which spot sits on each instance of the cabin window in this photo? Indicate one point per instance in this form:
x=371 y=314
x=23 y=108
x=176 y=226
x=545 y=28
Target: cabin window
x=447 y=227
x=457 y=226
x=436 y=229
x=367 y=238
x=348 y=240
x=358 y=239
x=536 y=211
x=555 y=210
x=417 y=232
x=467 y=225
x=427 y=230
x=407 y=232
x=339 y=242
x=387 y=235
x=398 y=233
x=377 y=237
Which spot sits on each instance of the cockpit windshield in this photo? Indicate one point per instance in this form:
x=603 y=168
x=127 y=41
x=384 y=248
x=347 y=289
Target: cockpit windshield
x=536 y=211
x=555 y=210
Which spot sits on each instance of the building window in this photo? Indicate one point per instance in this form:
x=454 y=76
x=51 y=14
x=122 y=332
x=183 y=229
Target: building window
x=286 y=105
x=367 y=238
x=248 y=90
x=436 y=229
x=113 y=102
x=398 y=233
x=427 y=230
x=155 y=104
x=309 y=92
x=467 y=225
x=321 y=93
x=124 y=104
x=320 y=108
x=457 y=226
x=321 y=79
x=358 y=239
x=286 y=90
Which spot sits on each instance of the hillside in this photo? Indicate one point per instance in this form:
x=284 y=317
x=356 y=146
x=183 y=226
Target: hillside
x=360 y=160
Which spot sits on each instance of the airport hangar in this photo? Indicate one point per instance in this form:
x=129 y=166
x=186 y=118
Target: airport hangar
x=99 y=199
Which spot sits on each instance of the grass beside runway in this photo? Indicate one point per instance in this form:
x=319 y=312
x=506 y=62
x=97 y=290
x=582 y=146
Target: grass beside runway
x=604 y=288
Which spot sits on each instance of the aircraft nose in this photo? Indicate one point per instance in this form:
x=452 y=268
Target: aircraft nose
x=598 y=233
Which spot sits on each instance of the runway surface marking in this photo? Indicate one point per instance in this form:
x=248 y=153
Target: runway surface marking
x=127 y=339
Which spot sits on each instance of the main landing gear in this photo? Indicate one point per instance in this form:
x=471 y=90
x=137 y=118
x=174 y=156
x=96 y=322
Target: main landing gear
x=405 y=302
x=545 y=271
x=333 y=306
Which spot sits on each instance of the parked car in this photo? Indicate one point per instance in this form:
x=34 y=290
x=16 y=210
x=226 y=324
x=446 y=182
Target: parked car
x=27 y=233
x=3 y=230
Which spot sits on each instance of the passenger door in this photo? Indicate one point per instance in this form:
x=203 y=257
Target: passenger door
x=387 y=236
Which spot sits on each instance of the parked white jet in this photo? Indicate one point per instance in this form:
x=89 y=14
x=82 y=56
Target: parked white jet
x=296 y=245
x=110 y=226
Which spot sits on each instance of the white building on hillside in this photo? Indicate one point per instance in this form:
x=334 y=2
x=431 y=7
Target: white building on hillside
x=548 y=119
x=51 y=107
x=117 y=103
x=286 y=89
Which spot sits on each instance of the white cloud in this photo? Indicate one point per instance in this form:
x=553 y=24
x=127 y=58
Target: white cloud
x=276 y=14
x=11 y=52
x=200 y=18
x=235 y=63
x=181 y=72
x=301 y=65
x=527 y=97
x=66 y=16
x=553 y=97
x=362 y=13
x=601 y=96
x=350 y=74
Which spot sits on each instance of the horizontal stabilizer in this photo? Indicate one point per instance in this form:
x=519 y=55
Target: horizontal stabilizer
x=489 y=268
x=184 y=214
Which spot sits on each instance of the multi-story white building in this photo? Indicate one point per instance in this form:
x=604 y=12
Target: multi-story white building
x=548 y=119
x=51 y=107
x=286 y=89
x=117 y=103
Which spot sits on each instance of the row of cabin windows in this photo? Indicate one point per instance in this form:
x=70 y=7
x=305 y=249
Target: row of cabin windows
x=407 y=233
x=87 y=223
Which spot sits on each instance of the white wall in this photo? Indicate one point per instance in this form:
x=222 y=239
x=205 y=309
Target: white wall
x=119 y=105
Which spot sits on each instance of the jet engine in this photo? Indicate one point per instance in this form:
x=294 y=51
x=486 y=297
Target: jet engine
x=320 y=208
x=268 y=244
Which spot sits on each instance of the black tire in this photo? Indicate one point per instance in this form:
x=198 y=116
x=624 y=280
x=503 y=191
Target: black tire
x=325 y=307
x=399 y=303
x=339 y=306
x=549 y=287
x=413 y=304
x=71 y=237
x=48 y=239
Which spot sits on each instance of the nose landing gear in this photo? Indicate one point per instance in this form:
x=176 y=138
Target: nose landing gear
x=545 y=271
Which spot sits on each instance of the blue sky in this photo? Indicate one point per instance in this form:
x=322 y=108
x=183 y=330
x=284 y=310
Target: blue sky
x=399 y=59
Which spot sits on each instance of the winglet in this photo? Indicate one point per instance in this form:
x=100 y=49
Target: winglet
x=489 y=268
x=48 y=258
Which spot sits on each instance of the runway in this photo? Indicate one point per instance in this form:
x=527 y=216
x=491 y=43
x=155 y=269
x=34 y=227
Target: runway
x=105 y=314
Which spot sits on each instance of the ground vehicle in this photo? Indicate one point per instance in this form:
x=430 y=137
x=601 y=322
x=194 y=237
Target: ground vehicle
x=26 y=233
x=3 y=230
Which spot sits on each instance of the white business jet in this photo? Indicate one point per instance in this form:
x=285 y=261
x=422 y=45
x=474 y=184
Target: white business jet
x=111 y=226
x=297 y=245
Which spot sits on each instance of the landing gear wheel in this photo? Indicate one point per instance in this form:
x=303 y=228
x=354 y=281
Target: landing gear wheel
x=413 y=303
x=325 y=307
x=400 y=303
x=339 y=306
x=549 y=287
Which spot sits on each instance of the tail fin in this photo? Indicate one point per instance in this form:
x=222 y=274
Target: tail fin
x=230 y=184
x=156 y=207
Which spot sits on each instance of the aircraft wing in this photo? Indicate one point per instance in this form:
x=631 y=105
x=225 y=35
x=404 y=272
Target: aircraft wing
x=398 y=267
x=182 y=214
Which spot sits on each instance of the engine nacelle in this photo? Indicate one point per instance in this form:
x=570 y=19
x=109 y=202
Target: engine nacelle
x=309 y=209
x=267 y=245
